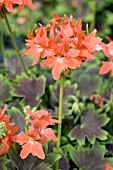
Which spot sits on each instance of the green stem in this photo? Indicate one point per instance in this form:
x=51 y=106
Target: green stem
x=60 y=116
x=2 y=46
x=107 y=85
x=15 y=44
x=93 y=12
x=77 y=117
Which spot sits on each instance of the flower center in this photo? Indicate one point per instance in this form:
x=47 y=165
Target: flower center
x=59 y=60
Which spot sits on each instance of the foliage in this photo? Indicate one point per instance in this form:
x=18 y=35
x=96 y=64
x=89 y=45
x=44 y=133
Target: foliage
x=87 y=123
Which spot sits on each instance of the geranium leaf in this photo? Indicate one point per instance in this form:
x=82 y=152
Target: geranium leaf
x=14 y=66
x=3 y=162
x=88 y=158
x=4 y=89
x=63 y=163
x=49 y=161
x=30 y=89
x=17 y=117
x=87 y=78
x=15 y=157
x=68 y=90
x=32 y=162
x=66 y=111
x=90 y=127
x=88 y=84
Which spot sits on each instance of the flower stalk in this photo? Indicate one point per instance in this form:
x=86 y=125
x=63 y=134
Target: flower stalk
x=93 y=12
x=107 y=85
x=15 y=44
x=60 y=116
x=2 y=46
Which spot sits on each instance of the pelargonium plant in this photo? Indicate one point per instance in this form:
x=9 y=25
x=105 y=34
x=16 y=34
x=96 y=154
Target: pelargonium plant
x=62 y=46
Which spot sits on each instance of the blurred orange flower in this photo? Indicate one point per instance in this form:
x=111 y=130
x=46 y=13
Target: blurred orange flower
x=9 y=4
x=108 y=167
x=108 y=51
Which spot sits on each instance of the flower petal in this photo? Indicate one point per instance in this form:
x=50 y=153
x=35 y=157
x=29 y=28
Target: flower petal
x=106 y=67
x=49 y=133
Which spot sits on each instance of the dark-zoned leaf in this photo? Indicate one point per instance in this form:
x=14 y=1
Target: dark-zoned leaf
x=32 y=162
x=68 y=90
x=87 y=78
x=49 y=161
x=17 y=117
x=88 y=84
x=63 y=163
x=31 y=90
x=88 y=158
x=4 y=89
x=66 y=111
x=15 y=157
x=14 y=66
x=90 y=127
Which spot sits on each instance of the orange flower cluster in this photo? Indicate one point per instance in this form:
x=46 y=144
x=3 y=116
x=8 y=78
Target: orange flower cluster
x=6 y=142
x=108 y=51
x=36 y=134
x=9 y=4
x=108 y=167
x=62 y=44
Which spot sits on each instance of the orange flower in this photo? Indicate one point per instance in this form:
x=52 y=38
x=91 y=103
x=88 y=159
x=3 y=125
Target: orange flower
x=36 y=134
x=62 y=44
x=41 y=119
x=108 y=167
x=108 y=51
x=29 y=145
x=9 y=4
x=27 y=3
x=106 y=67
x=6 y=142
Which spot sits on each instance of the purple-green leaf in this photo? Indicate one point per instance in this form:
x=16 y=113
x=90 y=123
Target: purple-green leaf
x=32 y=162
x=4 y=89
x=68 y=90
x=87 y=78
x=17 y=117
x=14 y=66
x=87 y=84
x=31 y=90
x=63 y=163
x=88 y=158
x=90 y=127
